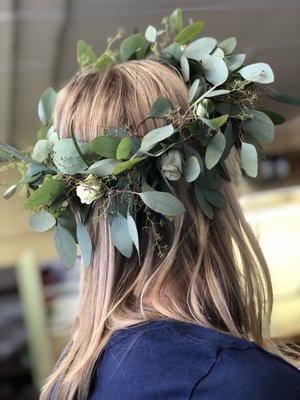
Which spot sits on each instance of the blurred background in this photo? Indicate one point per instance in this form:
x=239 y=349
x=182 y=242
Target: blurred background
x=38 y=296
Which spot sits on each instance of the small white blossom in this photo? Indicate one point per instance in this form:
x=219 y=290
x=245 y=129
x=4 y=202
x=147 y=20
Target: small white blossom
x=171 y=165
x=87 y=191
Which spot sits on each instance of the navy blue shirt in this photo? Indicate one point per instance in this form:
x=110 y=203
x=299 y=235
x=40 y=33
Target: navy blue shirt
x=168 y=360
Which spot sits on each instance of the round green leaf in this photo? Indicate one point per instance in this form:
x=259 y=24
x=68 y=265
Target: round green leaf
x=120 y=235
x=65 y=246
x=102 y=168
x=235 y=61
x=215 y=123
x=218 y=92
x=228 y=45
x=124 y=148
x=193 y=90
x=41 y=150
x=214 y=150
x=133 y=232
x=176 y=20
x=134 y=46
x=258 y=72
x=105 y=146
x=45 y=195
x=41 y=221
x=284 y=98
x=162 y=202
x=185 y=68
x=249 y=160
x=160 y=108
x=214 y=69
x=200 y=48
x=260 y=127
x=151 y=34
x=155 y=136
x=203 y=203
x=46 y=105
x=192 y=169
x=189 y=33
x=66 y=158
x=215 y=198
x=85 y=243
x=85 y=55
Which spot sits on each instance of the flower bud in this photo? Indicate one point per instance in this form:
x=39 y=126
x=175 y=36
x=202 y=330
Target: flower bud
x=88 y=191
x=171 y=165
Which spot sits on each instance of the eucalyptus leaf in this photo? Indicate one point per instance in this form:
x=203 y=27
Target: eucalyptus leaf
x=200 y=48
x=45 y=195
x=276 y=118
x=189 y=33
x=215 y=123
x=176 y=20
x=172 y=53
x=230 y=140
x=203 y=203
x=65 y=245
x=193 y=90
x=66 y=157
x=284 y=98
x=215 y=198
x=155 y=136
x=102 y=168
x=249 y=161
x=105 y=146
x=135 y=46
x=85 y=55
x=85 y=243
x=218 y=52
x=260 y=126
x=121 y=236
x=124 y=148
x=10 y=191
x=46 y=105
x=258 y=72
x=151 y=34
x=127 y=165
x=217 y=92
x=214 y=69
x=192 y=169
x=116 y=131
x=133 y=232
x=42 y=133
x=41 y=150
x=41 y=221
x=185 y=68
x=214 y=150
x=235 y=61
x=12 y=151
x=162 y=202
x=160 y=108
x=228 y=45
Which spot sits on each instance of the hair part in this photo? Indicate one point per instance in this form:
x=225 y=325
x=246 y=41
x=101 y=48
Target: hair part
x=213 y=273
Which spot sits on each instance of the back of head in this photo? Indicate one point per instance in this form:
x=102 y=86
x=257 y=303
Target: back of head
x=190 y=268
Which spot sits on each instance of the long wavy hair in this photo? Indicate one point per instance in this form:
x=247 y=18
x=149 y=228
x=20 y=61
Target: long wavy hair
x=213 y=272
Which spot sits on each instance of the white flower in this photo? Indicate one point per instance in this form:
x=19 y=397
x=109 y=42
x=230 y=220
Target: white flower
x=87 y=191
x=201 y=110
x=171 y=165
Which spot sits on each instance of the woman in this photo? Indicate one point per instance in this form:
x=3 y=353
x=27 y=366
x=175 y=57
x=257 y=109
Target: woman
x=192 y=324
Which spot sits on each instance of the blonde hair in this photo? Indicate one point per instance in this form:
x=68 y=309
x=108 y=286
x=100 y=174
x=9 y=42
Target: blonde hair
x=213 y=272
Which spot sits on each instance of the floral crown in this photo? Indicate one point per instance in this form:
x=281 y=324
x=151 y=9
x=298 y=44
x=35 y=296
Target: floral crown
x=126 y=175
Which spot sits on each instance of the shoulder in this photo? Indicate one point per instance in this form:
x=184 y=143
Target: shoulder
x=248 y=374
x=174 y=360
